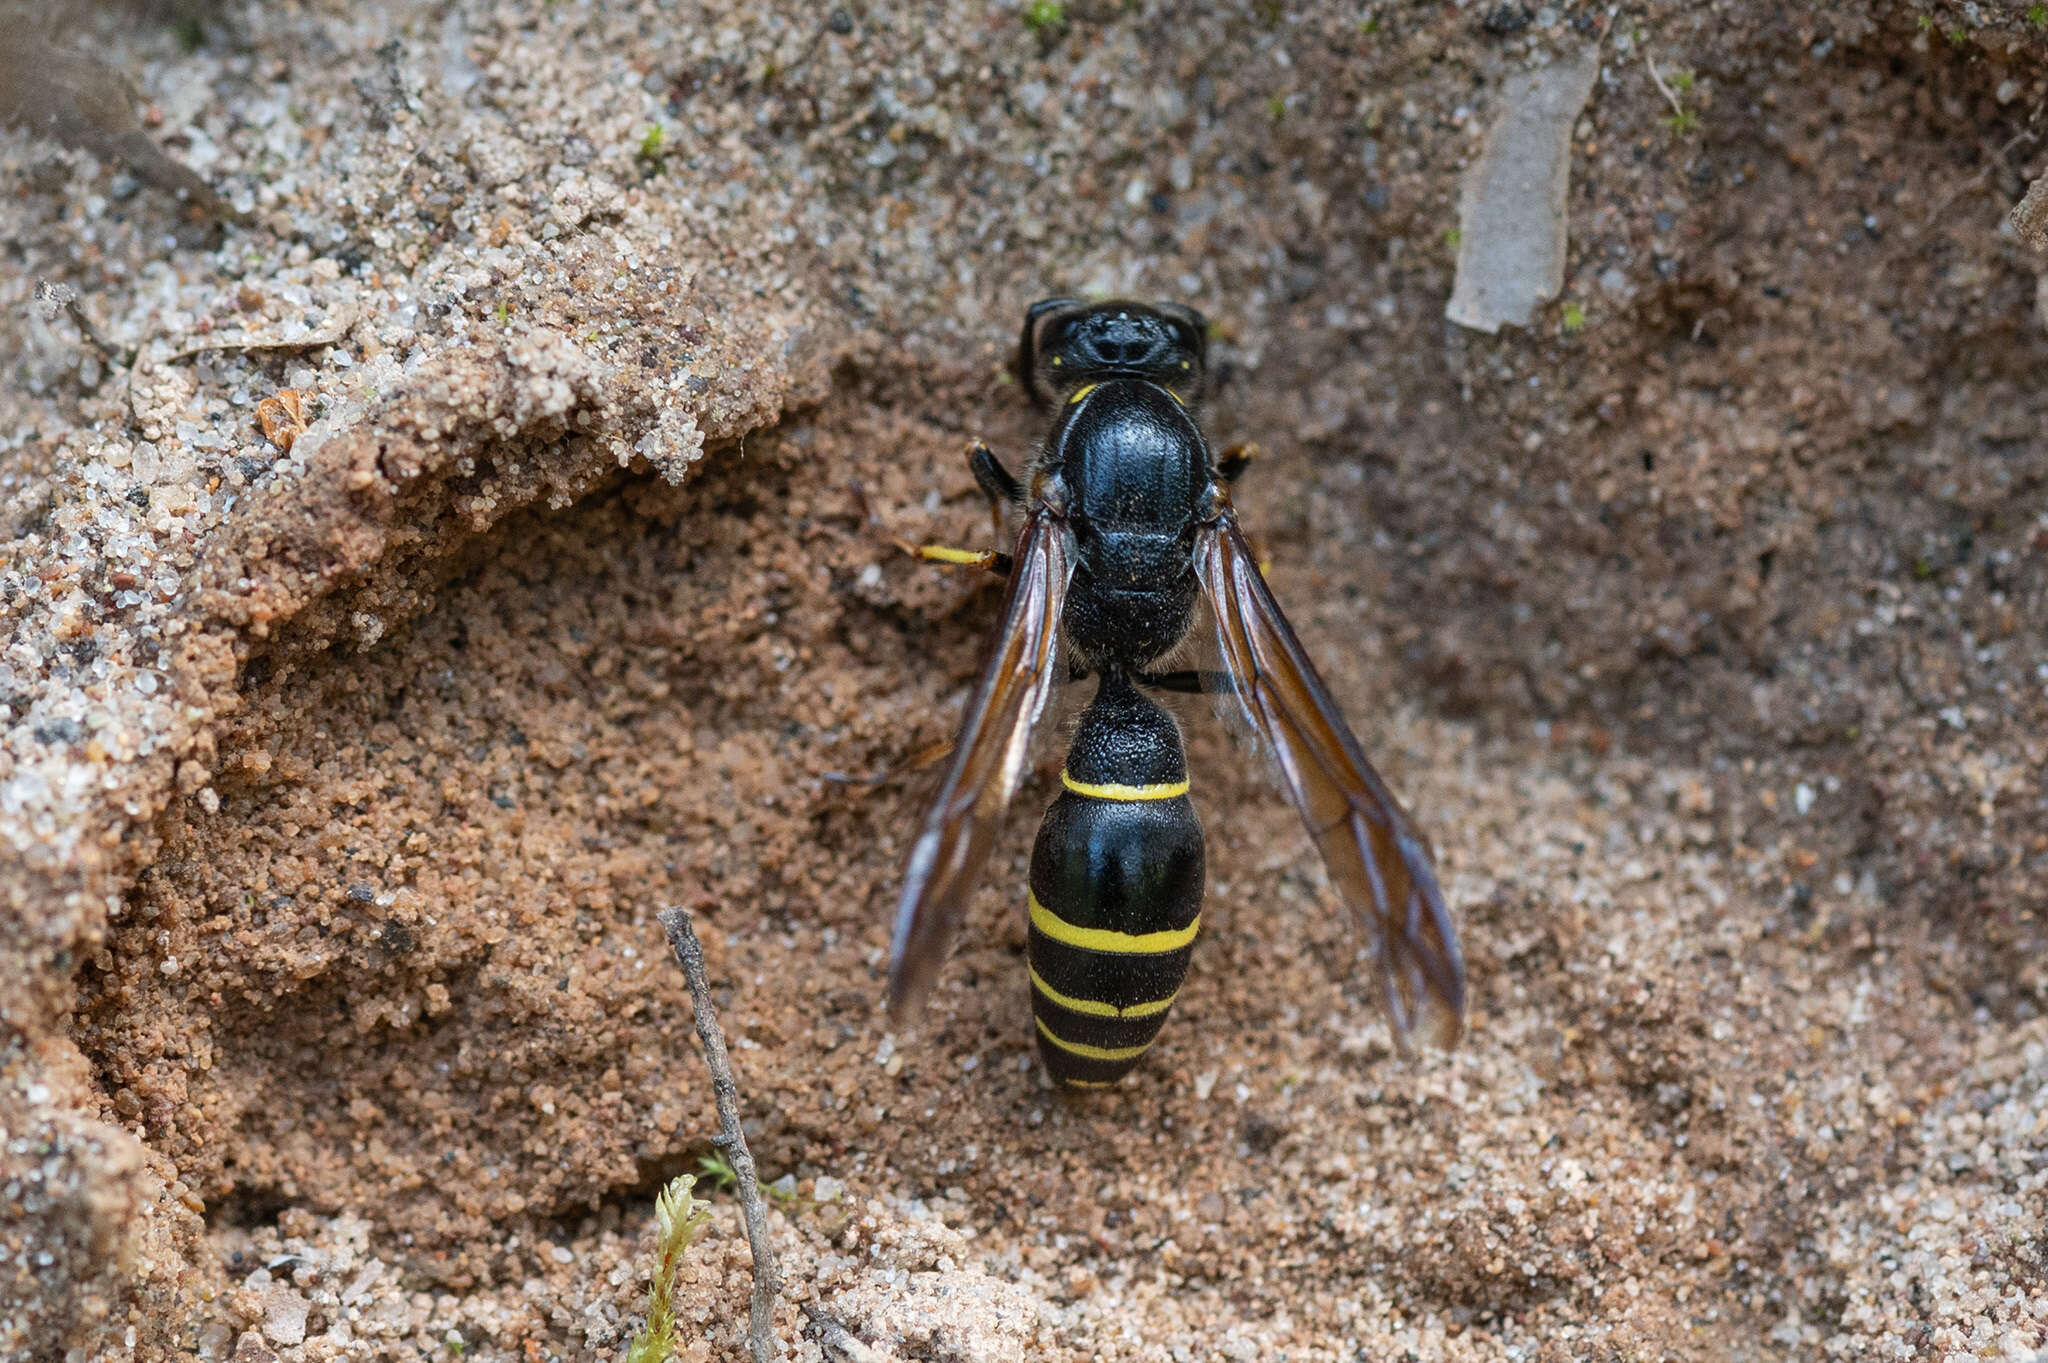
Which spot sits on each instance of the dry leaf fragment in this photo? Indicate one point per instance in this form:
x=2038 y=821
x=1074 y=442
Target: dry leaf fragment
x=281 y=418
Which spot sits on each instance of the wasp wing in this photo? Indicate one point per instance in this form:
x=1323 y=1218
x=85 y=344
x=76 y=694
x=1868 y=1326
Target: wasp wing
x=1017 y=680
x=1377 y=859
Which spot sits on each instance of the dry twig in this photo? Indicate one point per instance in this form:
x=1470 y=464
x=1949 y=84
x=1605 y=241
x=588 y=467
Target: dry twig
x=1677 y=108
x=2030 y=214
x=682 y=939
x=52 y=298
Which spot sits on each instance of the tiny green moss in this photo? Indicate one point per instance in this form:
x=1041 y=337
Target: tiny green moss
x=654 y=146
x=1452 y=236
x=1369 y=27
x=1958 y=35
x=1276 y=107
x=1923 y=569
x=2037 y=15
x=678 y=1217
x=1925 y=23
x=190 y=34
x=1683 y=79
x=1681 y=122
x=1572 y=317
x=1041 y=15
x=718 y=1170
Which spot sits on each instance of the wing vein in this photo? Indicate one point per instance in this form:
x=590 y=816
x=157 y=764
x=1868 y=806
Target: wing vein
x=988 y=759
x=1377 y=860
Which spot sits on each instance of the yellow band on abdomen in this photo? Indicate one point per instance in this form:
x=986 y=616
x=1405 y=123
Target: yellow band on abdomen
x=1109 y=790
x=1087 y=1052
x=1105 y=939
x=1095 y=1007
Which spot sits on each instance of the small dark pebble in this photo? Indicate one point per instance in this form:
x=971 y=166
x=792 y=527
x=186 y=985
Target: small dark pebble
x=250 y=467
x=1502 y=20
x=362 y=893
x=139 y=496
x=1377 y=197
x=60 y=731
x=1260 y=1133
x=841 y=22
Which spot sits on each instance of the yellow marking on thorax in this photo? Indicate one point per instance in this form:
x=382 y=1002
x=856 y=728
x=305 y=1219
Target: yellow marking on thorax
x=1111 y=790
x=1104 y=939
x=1083 y=391
x=1087 y=1052
x=1097 y=1008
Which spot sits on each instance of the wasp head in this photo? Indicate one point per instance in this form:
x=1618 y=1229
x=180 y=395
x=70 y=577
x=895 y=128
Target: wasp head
x=1067 y=343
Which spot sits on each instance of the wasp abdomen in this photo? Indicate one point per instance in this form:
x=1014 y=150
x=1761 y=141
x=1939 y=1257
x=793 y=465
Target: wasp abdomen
x=1116 y=890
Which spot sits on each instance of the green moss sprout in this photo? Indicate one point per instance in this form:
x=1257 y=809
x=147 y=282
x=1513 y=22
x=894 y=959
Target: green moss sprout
x=678 y=1218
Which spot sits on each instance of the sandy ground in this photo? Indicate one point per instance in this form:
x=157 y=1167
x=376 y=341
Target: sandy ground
x=1700 y=622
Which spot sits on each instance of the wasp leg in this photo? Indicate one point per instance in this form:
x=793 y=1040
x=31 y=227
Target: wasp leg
x=996 y=562
x=997 y=483
x=1231 y=464
x=1190 y=682
x=904 y=766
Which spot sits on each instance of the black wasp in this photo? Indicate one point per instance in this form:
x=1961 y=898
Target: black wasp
x=1127 y=520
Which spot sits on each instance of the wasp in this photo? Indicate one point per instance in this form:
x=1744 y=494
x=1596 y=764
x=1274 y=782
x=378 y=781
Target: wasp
x=1128 y=529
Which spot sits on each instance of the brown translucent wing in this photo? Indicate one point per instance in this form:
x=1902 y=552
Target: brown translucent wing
x=988 y=761
x=1377 y=859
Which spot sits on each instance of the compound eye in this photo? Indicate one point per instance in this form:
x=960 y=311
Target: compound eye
x=1190 y=328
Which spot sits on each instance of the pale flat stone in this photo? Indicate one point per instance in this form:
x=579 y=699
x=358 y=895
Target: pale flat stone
x=1511 y=213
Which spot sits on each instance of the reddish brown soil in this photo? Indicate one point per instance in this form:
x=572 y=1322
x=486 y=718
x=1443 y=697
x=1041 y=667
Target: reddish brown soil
x=1703 y=631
